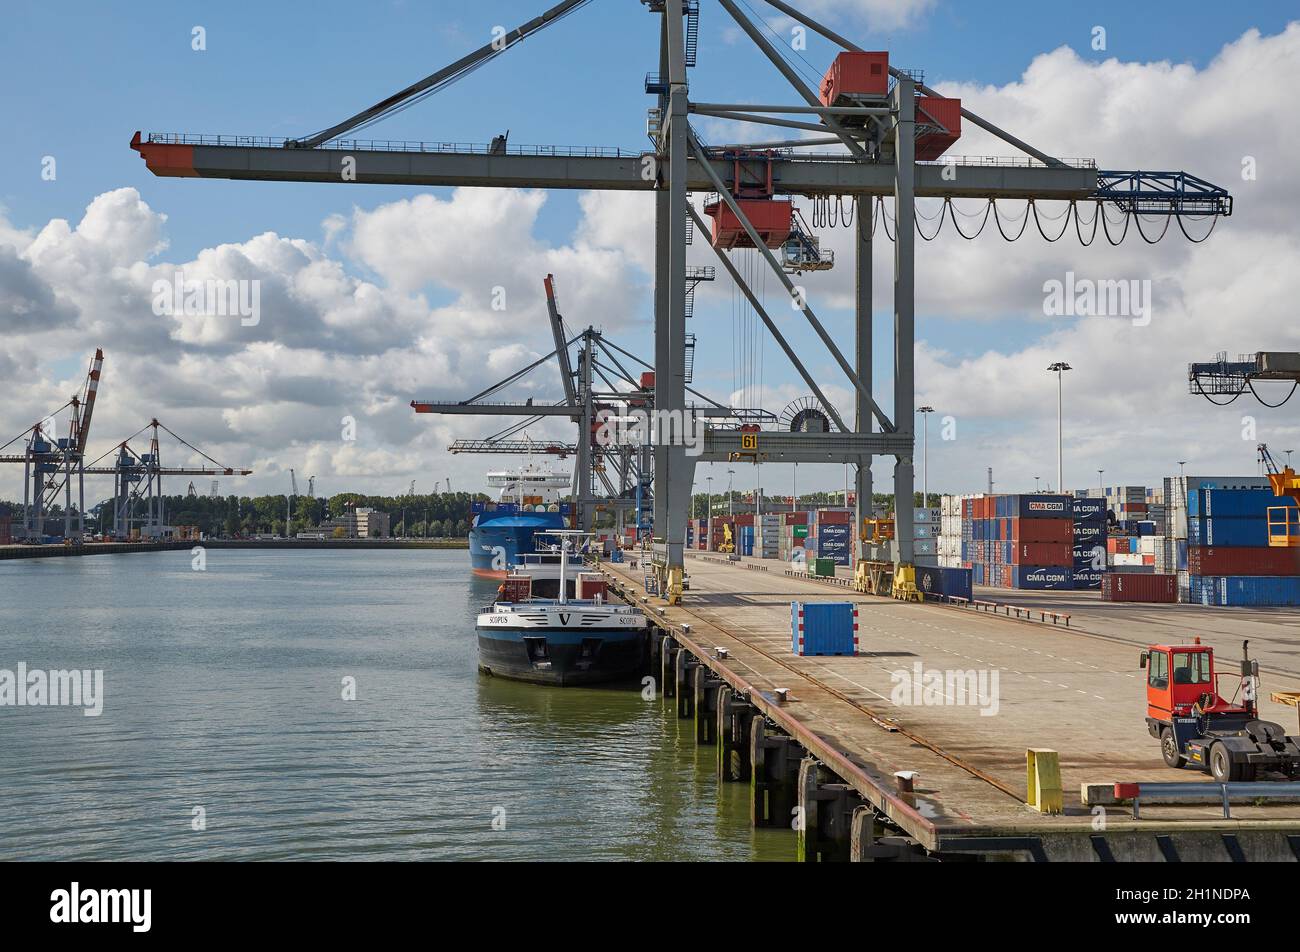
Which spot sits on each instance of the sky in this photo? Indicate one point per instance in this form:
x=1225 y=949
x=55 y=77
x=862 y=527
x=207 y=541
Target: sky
x=376 y=295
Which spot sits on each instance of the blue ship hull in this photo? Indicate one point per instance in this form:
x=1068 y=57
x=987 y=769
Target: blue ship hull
x=496 y=542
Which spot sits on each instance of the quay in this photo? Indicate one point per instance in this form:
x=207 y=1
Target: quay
x=827 y=751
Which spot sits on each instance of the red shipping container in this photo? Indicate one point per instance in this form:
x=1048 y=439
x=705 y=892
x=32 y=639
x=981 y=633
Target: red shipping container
x=1132 y=587
x=1043 y=530
x=591 y=585
x=795 y=518
x=934 y=111
x=745 y=519
x=1244 y=560
x=834 y=516
x=772 y=218
x=863 y=74
x=516 y=588
x=1042 y=554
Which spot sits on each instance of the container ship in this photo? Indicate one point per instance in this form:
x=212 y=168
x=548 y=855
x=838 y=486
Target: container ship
x=528 y=502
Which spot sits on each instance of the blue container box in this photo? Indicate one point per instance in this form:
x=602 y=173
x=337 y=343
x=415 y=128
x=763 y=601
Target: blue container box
x=1041 y=579
x=824 y=628
x=1087 y=578
x=1227 y=531
x=1259 y=591
x=1232 y=503
x=954 y=582
x=1094 y=532
x=1089 y=510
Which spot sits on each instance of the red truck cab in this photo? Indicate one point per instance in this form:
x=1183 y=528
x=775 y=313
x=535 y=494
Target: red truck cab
x=1180 y=677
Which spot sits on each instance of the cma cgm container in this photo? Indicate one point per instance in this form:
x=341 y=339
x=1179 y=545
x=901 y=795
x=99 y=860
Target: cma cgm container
x=1089 y=510
x=1243 y=560
x=1087 y=578
x=1037 y=506
x=834 y=541
x=1130 y=587
x=1042 y=578
x=949 y=582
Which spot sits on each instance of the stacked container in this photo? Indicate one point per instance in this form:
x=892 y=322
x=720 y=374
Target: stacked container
x=1229 y=560
x=925 y=536
x=831 y=533
x=1089 y=536
x=1022 y=541
x=767 y=541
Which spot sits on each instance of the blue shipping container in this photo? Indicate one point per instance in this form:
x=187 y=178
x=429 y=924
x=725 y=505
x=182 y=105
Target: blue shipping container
x=1089 y=510
x=1094 y=532
x=1227 y=531
x=1037 y=579
x=1087 y=578
x=823 y=628
x=1235 y=503
x=1258 y=591
x=953 y=582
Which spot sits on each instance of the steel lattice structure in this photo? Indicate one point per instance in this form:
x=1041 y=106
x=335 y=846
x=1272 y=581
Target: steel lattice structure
x=879 y=159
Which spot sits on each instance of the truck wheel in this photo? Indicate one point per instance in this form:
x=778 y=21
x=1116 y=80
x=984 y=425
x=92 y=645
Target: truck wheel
x=1169 y=749
x=1221 y=765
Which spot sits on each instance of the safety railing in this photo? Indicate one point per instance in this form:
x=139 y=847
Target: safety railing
x=395 y=145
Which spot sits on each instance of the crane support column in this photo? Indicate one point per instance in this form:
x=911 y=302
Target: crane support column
x=904 y=103
x=673 y=472
x=862 y=357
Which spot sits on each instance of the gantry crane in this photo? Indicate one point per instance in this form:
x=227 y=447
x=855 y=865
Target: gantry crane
x=49 y=462
x=1231 y=378
x=891 y=129
x=139 y=476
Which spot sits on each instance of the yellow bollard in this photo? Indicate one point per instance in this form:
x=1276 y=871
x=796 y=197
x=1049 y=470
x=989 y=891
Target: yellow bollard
x=1043 y=780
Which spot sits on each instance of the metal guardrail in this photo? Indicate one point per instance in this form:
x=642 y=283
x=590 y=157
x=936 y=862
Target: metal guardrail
x=1216 y=793
x=395 y=145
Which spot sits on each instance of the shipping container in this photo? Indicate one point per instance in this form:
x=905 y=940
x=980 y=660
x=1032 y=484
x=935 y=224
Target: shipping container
x=824 y=628
x=1133 y=587
x=1057 y=577
x=1041 y=530
x=1243 y=560
x=1086 y=578
x=1089 y=510
x=1227 y=531
x=948 y=582
x=1045 y=554
x=1258 y=591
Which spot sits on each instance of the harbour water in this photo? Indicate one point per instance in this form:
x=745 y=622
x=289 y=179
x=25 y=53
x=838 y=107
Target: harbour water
x=224 y=710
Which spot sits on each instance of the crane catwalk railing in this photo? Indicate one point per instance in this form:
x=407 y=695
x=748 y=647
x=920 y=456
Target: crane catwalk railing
x=396 y=145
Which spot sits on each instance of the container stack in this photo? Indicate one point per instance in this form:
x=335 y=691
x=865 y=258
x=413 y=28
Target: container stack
x=1090 y=540
x=794 y=535
x=925 y=536
x=1024 y=542
x=767 y=536
x=831 y=530
x=1229 y=560
x=1177 y=490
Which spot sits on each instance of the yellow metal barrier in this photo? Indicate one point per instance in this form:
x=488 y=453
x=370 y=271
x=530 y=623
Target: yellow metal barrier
x=1043 y=780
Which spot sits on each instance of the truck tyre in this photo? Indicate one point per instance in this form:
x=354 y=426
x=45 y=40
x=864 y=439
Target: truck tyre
x=1221 y=765
x=1169 y=749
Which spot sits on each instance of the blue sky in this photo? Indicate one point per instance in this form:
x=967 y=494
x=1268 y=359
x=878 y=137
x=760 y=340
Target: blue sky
x=99 y=71
x=81 y=77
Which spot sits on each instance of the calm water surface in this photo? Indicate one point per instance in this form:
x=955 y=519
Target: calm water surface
x=223 y=690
